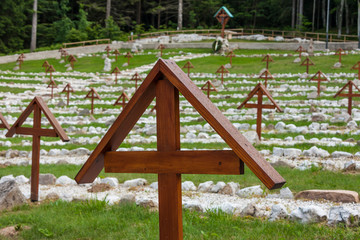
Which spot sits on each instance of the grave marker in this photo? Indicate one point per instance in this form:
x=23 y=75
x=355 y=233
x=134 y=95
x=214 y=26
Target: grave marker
x=4 y=123
x=266 y=75
x=208 y=87
x=230 y=55
x=267 y=59
x=121 y=101
x=116 y=71
x=260 y=90
x=222 y=70
x=161 y=47
x=116 y=52
x=37 y=106
x=72 y=59
x=92 y=94
x=340 y=52
x=136 y=77
x=188 y=65
x=67 y=89
x=300 y=50
x=223 y=15
x=356 y=67
x=64 y=54
x=107 y=49
x=50 y=69
x=45 y=65
x=20 y=60
x=128 y=56
x=307 y=62
x=349 y=95
x=165 y=81
x=319 y=77
x=52 y=85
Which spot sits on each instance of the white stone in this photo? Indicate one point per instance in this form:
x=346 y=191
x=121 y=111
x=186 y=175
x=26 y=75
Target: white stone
x=278 y=211
x=297 y=60
x=227 y=208
x=21 y=179
x=250 y=191
x=107 y=65
x=7 y=178
x=312 y=95
x=308 y=214
x=339 y=214
x=135 y=182
x=188 y=186
x=285 y=193
x=154 y=185
x=299 y=138
x=252 y=137
x=278 y=151
x=352 y=125
x=337 y=65
x=65 y=180
x=280 y=126
x=340 y=154
x=114 y=182
x=206 y=186
x=217 y=187
x=291 y=152
x=193 y=206
x=54 y=152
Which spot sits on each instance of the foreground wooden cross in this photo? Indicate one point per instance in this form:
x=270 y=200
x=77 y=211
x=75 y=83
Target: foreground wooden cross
x=357 y=67
x=208 y=87
x=136 y=77
x=260 y=90
x=267 y=59
x=230 y=55
x=116 y=71
x=340 y=52
x=222 y=70
x=300 y=50
x=165 y=81
x=37 y=106
x=223 y=15
x=319 y=77
x=161 y=47
x=188 y=65
x=349 y=94
x=3 y=122
x=266 y=75
x=67 y=89
x=92 y=94
x=307 y=62
x=121 y=101
x=52 y=85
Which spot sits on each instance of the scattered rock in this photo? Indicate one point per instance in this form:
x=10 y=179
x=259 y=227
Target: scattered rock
x=113 y=182
x=350 y=166
x=297 y=60
x=285 y=193
x=206 y=186
x=292 y=152
x=101 y=187
x=10 y=195
x=127 y=199
x=312 y=95
x=107 y=65
x=146 y=203
x=342 y=215
x=250 y=191
x=318 y=117
x=188 y=186
x=252 y=137
x=125 y=64
x=337 y=65
x=7 y=178
x=84 y=112
x=21 y=179
x=192 y=206
x=80 y=152
x=340 y=154
x=249 y=210
x=65 y=180
x=217 y=187
x=308 y=214
x=280 y=126
x=230 y=189
x=135 y=182
x=344 y=196
x=278 y=211
x=52 y=196
x=154 y=185
x=47 y=179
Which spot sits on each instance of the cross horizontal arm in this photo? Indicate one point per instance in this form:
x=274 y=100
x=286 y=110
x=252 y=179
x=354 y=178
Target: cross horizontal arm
x=184 y=162
x=349 y=95
x=36 y=131
x=253 y=105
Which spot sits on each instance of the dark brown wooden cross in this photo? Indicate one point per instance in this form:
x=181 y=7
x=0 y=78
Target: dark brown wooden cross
x=128 y=56
x=357 y=67
x=351 y=85
x=165 y=81
x=267 y=59
x=223 y=17
x=37 y=106
x=340 y=52
x=121 y=101
x=307 y=62
x=266 y=75
x=116 y=52
x=64 y=54
x=188 y=65
x=230 y=55
x=3 y=122
x=20 y=60
x=116 y=71
x=67 y=89
x=161 y=47
x=208 y=87
x=300 y=50
x=72 y=59
x=260 y=90
x=136 y=77
x=50 y=69
x=107 y=49
x=222 y=70
x=45 y=65
x=92 y=94
x=319 y=77
x=52 y=85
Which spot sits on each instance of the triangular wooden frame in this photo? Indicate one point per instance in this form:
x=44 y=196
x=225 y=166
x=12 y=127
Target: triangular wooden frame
x=52 y=85
x=188 y=65
x=357 y=67
x=68 y=89
x=340 y=52
x=136 y=77
x=300 y=50
x=121 y=101
x=92 y=94
x=349 y=95
x=116 y=53
x=222 y=70
x=319 y=77
x=128 y=55
x=116 y=70
x=4 y=123
x=266 y=75
x=307 y=62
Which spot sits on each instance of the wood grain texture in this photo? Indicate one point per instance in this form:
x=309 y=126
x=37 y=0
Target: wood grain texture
x=35 y=163
x=184 y=162
x=4 y=123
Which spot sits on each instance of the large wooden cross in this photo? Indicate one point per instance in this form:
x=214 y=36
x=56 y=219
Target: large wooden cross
x=3 y=122
x=161 y=47
x=307 y=62
x=340 y=52
x=319 y=77
x=349 y=94
x=67 y=89
x=230 y=55
x=37 y=106
x=188 y=65
x=50 y=69
x=300 y=50
x=165 y=81
x=222 y=70
x=107 y=49
x=261 y=91
x=128 y=56
x=72 y=60
x=266 y=75
x=223 y=15
x=116 y=71
x=357 y=67
x=64 y=54
x=116 y=52
x=209 y=87
x=136 y=77
x=92 y=94
x=45 y=65
x=121 y=101
x=52 y=85
x=267 y=59
x=20 y=60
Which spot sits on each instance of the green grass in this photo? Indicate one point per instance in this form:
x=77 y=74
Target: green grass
x=96 y=220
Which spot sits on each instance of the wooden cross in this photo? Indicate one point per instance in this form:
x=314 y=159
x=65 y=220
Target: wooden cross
x=50 y=69
x=267 y=59
x=222 y=70
x=68 y=89
x=349 y=95
x=64 y=54
x=45 y=66
x=266 y=75
x=161 y=47
x=223 y=15
x=319 y=77
x=307 y=62
x=230 y=55
x=116 y=52
x=72 y=59
x=300 y=49
x=121 y=101
x=128 y=56
x=116 y=71
x=107 y=49
x=52 y=85
x=4 y=123
x=92 y=94
x=260 y=90
x=340 y=52
x=37 y=106
x=164 y=82
x=208 y=87
x=136 y=77
x=20 y=60
x=188 y=65
x=357 y=67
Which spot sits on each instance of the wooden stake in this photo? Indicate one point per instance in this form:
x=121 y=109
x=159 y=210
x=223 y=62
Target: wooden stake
x=52 y=85
x=300 y=49
x=121 y=101
x=107 y=49
x=161 y=47
x=116 y=52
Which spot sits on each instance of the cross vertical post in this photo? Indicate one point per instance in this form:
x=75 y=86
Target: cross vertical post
x=349 y=95
x=357 y=67
x=168 y=139
x=35 y=163
x=350 y=99
x=259 y=114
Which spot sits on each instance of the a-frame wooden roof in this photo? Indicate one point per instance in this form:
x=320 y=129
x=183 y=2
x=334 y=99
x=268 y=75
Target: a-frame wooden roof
x=57 y=130
x=347 y=85
x=170 y=71
x=260 y=87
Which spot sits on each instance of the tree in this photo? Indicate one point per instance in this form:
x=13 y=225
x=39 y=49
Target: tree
x=34 y=27
x=108 y=9
x=293 y=15
x=340 y=17
x=180 y=14
x=313 y=16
